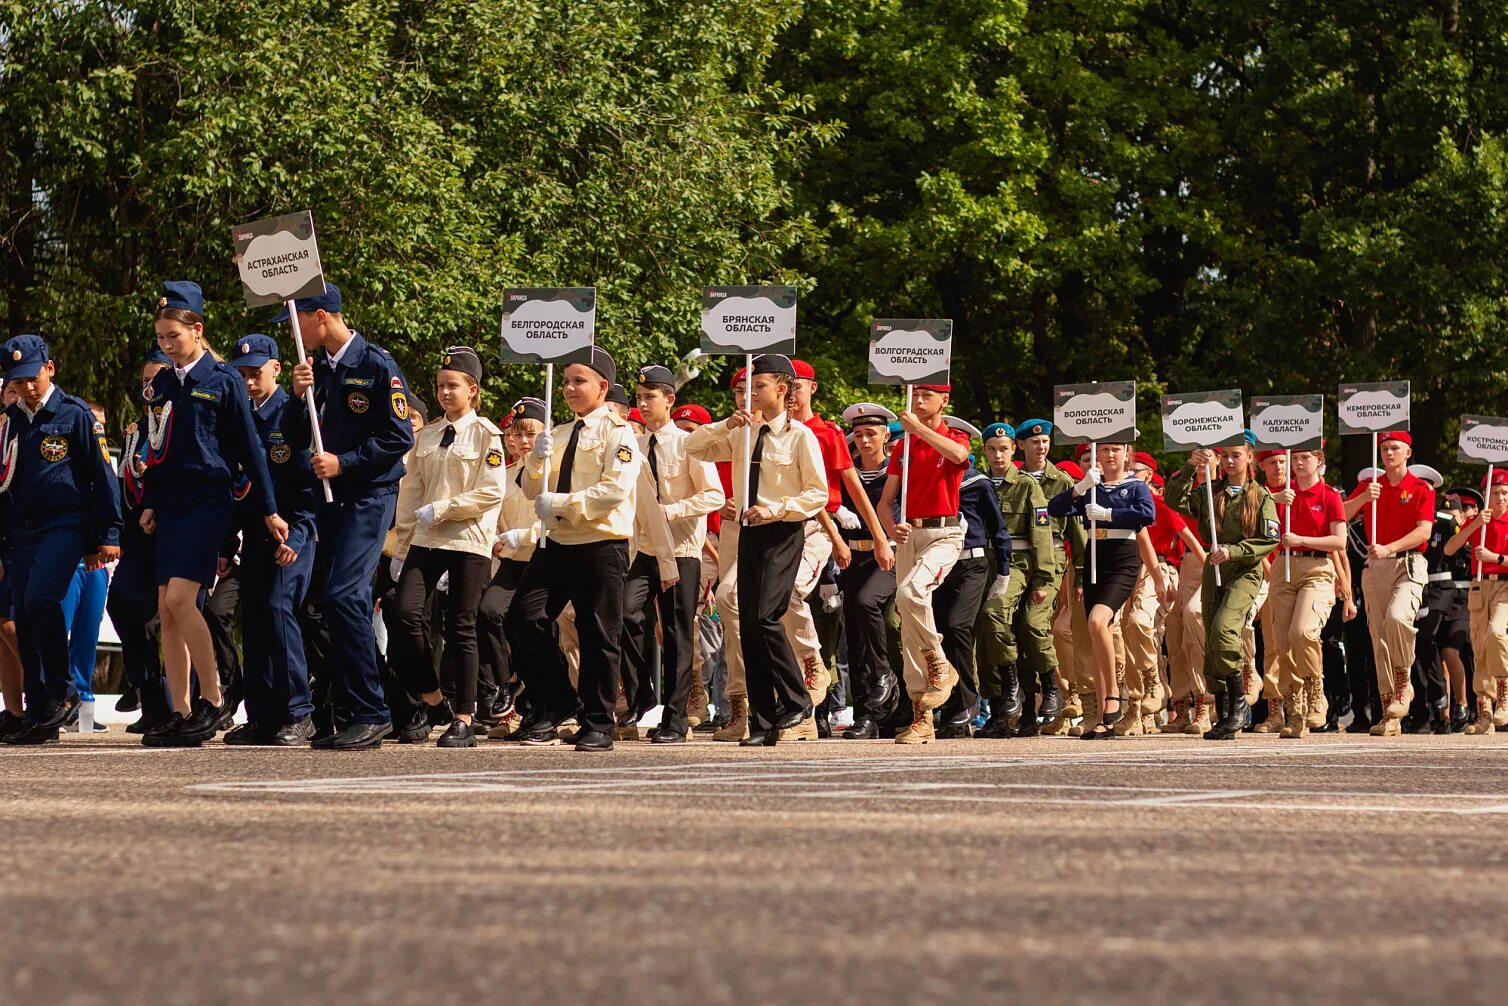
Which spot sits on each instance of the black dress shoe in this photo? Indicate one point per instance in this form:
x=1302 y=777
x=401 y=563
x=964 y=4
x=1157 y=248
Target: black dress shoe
x=999 y=725
x=1359 y=725
x=357 y=737
x=225 y=718
x=953 y=731
x=10 y=723
x=417 y=729
x=165 y=733
x=761 y=739
x=245 y=735
x=594 y=740
x=541 y=735
x=54 y=714
x=667 y=736
x=129 y=701
x=200 y=725
x=458 y=735
x=824 y=726
x=863 y=729
x=791 y=719
x=291 y=735
x=1458 y=719
x=32 y=735
x=322 y=732
x=440 y=714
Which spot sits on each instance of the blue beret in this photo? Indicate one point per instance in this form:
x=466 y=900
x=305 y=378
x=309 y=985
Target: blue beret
x=156 y=355
x=25 y=356
x=329 y=302
x=999 y=430
x=895 y=432
x=254 y=350
x=1033 y=428
x=1250 y=437
x=182 y=294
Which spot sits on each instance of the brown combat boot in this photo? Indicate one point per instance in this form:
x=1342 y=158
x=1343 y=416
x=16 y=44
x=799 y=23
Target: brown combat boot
x=1397 y=704
x=1073 y=705
x=1180 y=721
x=1315 y=702
x=806 y=730
x=817 y=679
x=1295 y=710
x=1275 y=718
x=1389 y=727
x=696 y=703
x=1199 y=716
x=920 y=731
x=737 y=727
x=1500 y=707
x=941 y=677
x=1485 y=723
x=1091 y=717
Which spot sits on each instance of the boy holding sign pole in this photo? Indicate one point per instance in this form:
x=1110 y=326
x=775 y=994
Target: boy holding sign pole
x=1399 y=510
x=930 y=536
x=361 y=399
x=1487 y=603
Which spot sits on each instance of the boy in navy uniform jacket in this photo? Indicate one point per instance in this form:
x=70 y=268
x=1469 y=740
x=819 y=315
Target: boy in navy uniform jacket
x=65 y=508
x=363 y=414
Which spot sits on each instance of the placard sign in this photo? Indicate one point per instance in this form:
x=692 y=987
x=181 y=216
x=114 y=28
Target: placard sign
x=1094 y=413
x=549 y=324
x=747 y=320
x=1374 y=408
x=1202 y=419
x=1288 y=422
x=278 y=259
x=1483 y=441
x=914 y=351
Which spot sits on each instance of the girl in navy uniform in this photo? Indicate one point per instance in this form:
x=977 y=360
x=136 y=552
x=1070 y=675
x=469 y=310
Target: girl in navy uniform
x=197 y=449
x=12 y=678
x=1120 y=504
x=63 y=508
x=447 y=520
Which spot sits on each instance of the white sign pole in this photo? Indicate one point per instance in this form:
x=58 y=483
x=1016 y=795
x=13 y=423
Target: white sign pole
x=544 y=480
x=1094 y=525
x=1209 y=498
x=905 y=460
x=1376 y=469
x=748 y=491
x=1288 y=519
x=315 y=435
x=1482 y=515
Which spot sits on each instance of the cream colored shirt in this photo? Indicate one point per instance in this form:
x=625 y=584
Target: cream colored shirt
x=464 y=482
x=689 y=490
x=792 y=478
x=517 y=513
x=600 y=505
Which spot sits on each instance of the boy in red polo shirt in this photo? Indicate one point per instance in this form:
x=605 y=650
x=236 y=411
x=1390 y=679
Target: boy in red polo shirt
x=930 y=542
x=1393 y=581
x=1488 y=601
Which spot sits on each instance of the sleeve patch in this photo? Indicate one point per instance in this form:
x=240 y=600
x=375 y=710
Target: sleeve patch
x=1272 y=530
x=625 y=455
x=494 y=458
x=400 y=405
x=1041 y=519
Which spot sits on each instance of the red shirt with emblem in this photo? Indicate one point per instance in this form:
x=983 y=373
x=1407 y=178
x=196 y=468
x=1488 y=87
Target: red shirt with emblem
x=1400 y=509
x=1497 y=541
x=835 y=458
x=1314 y=509
x=1164 y=531
x=932 y=484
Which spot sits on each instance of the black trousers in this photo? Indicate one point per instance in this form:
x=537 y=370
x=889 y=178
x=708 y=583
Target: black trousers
x=1361 y=669
x=677 y=611
x=414 y=665
x=768 y=558
x=955 y=605
x=589 y=577
x=220 y=613
x=496 y=600
x=867 y=589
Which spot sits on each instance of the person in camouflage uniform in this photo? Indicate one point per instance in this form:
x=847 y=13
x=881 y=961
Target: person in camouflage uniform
x=1037 y=660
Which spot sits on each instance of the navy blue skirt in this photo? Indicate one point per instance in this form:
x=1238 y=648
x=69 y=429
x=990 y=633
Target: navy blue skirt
x=188 y=540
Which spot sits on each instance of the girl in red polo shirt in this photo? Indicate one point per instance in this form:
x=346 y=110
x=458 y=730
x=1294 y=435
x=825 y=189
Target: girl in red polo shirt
x=1488 y=602
x=1393 y=581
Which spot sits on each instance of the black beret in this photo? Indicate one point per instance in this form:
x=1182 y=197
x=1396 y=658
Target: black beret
x=617 y=395
x=774 y=363
x=655 y=374
x=464 y=360
x=530 y=408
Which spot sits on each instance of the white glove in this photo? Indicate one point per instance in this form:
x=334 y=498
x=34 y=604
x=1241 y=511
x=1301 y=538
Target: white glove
x=396 y=568
x=997 y=588
x=847 y=519
x=425 y=515
x=1091 y=478
x=1095 y=512
x=512 y=539
x=544 y=504
x=826 y=590
x=444 y=581
x=543 y=445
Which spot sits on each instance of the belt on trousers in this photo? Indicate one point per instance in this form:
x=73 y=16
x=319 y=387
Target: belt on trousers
x=1439 y=577
x=1308 y=553
x=1119 y=533
x=1495 y=576
x=972 y=553
x=1461 y=584
x=864 y=545
x=953 y=521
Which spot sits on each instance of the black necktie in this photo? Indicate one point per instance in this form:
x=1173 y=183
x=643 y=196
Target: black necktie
x=568 y=459
x=758 y=453
x=448 y=437
x=654 y=466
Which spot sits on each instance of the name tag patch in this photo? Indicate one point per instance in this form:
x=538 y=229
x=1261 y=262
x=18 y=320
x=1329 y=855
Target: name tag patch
x=357 y=382
x=203 y=395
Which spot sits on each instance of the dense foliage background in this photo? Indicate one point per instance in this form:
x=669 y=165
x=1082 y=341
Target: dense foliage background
x=1274 y=196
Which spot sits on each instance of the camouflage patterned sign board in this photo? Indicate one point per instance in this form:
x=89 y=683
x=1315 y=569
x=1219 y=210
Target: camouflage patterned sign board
x=1094 y=413
x=1203 y=419
x=549 y=324
x=741 y=320
x=1289 y=422
x=1374 y=408
x=1483 y=441
x=915 y=351
x=278 y=259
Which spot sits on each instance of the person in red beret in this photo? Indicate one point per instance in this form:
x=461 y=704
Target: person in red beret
x=1487 y=537
x=1398 y=512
